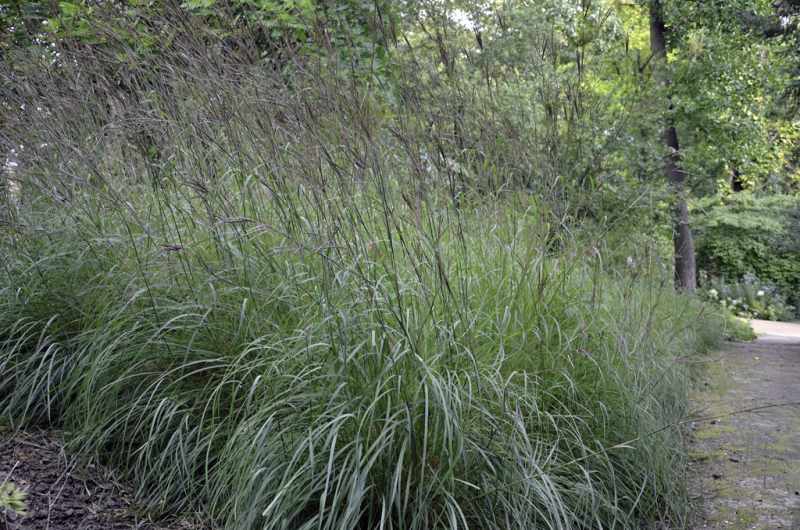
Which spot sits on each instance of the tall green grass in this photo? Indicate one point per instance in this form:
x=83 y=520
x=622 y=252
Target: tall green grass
x=385 y=378
x=284 y=321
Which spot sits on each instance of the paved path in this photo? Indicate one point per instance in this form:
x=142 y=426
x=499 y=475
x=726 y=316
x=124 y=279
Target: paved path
x=746 y=465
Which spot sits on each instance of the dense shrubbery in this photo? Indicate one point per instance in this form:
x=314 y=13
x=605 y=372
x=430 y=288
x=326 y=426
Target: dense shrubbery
x=748 y=298
x=745 y=236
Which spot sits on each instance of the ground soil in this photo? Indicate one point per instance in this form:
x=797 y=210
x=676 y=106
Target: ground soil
x=745 y=451
x=62 y=495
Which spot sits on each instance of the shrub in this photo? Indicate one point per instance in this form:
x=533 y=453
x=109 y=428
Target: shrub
x=749 y=298
x=746 y=235
x=738 y=330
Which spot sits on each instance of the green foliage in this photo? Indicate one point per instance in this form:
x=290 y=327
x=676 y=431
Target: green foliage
x=271 y=30
x=748 y=298
x=12 y=499
x=308 y=311
x=746 y=234
x=728 y=98
x=581 y=101
x=476 y=376
x=738 y=329
x=20 y=20
x=282 y=263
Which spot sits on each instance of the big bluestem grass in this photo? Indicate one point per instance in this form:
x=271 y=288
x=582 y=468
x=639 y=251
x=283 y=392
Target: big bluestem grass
x=271 y=312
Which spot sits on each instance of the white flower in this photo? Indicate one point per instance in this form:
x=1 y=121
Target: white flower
x=713 y=293
x=760 y=293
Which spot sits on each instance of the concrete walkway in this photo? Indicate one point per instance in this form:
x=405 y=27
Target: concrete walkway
x=766 y=329
x=745 y=449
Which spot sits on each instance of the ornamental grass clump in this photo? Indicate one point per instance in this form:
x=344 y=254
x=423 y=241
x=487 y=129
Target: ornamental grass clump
x=279 y=320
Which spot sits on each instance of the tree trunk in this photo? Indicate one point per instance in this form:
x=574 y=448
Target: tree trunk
x=737 y=184
x=685 y=268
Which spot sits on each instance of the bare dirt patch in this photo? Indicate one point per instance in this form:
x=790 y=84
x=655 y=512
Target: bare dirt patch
x=746 y=465
x=62 y=495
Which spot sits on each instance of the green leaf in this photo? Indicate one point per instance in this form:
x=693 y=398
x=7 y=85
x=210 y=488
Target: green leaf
x=69 y=9
x=198 y=4
x=12 y=498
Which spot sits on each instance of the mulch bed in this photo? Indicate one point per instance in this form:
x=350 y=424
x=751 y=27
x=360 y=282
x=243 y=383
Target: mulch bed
x=63 y=495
